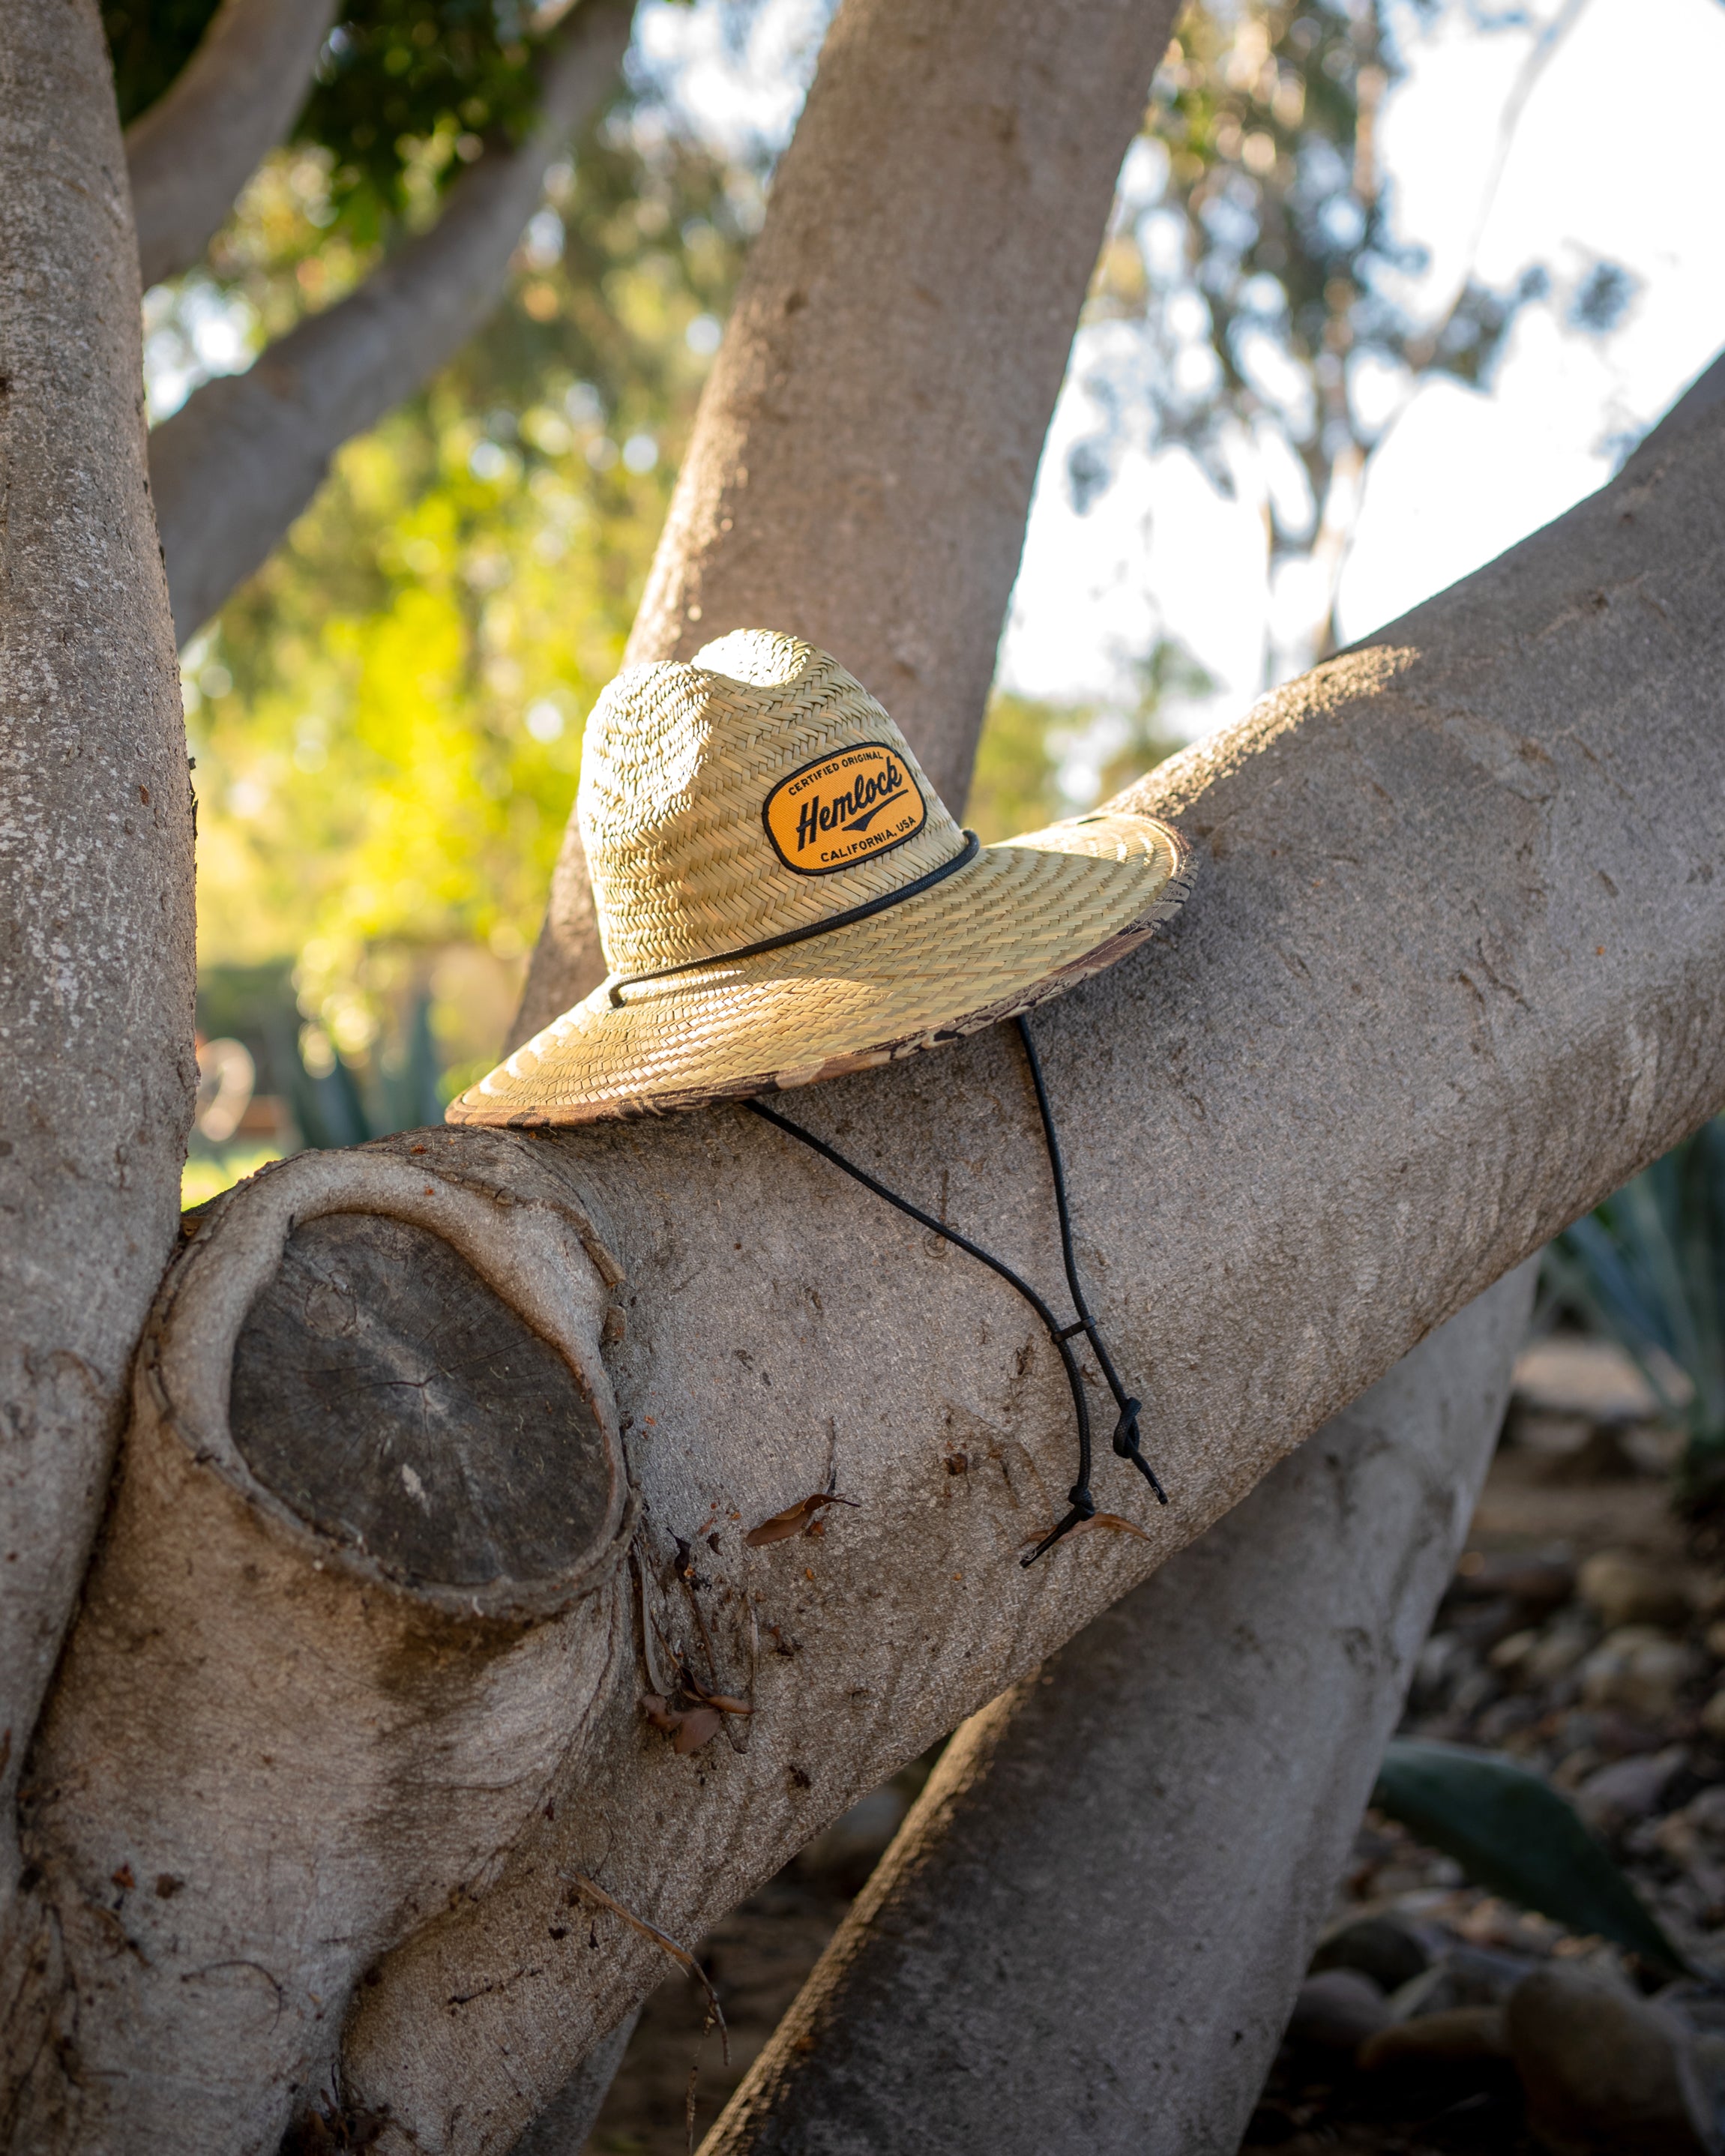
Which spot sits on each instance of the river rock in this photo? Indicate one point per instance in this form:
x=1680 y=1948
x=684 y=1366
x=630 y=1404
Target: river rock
x=1459 y=2034
x=1625 y=1589
x=1615 y=1797
x=1378 y=1948
x=1639 y=1669
x=1603 y=2073
x=1337 y=2011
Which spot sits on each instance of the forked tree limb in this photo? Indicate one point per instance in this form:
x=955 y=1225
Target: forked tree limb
x=1234 y=1861
x=243 y=456
x=96 y=1070
x=1089 y=1930
x=1458 y=967
x=1455 y=970
x=193 y=150
x=863 y=457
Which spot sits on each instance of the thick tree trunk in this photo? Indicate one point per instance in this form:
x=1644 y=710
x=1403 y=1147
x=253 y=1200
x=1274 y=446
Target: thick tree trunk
x=96 y=1071
x=1458 y=969
x=1089 y=1931
x=402 y=1629
x=243 y=456
x=862 y=462
x=196 y=147
x=1456 y=973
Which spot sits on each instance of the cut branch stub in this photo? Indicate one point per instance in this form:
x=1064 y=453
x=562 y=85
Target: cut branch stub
x=411 y=1371
x=351 y=1606
x=389 y=1394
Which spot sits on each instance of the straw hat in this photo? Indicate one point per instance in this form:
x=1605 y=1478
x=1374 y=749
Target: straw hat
x=752 y=797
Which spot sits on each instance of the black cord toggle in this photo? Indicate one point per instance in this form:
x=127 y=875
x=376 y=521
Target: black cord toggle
x=1125 y=1430
x=1125 y=1446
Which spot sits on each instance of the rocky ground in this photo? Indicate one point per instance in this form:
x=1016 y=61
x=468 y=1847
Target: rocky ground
x=1583 y=1634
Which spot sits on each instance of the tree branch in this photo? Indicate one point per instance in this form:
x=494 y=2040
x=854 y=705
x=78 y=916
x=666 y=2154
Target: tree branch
x=234 y=466
x=1457 y=969
x=863 y=457
x=96 y=1070
x=196 y=147
x=1703 y=395
x=1106 y=1898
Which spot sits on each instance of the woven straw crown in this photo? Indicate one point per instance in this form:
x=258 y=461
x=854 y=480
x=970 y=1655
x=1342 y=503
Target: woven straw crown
x=782 y=896
x=676 y=765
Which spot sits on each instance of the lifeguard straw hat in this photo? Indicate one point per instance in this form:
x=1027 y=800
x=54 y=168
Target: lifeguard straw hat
x=782 y=896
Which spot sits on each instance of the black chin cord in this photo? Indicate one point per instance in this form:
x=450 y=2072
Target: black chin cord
x=1125 y=1430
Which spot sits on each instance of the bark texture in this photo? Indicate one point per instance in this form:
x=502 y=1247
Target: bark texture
x=196 y=147
x=1089 y=1931
x=96 y=1070
x=1457 y=968
x=863 y=457
x=564 y=2126
x=243 y=456
x=1703 y=394
x=294 y=1722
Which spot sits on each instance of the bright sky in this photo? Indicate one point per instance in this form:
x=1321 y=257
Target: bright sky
x=1602 y=165
x=1606 y=164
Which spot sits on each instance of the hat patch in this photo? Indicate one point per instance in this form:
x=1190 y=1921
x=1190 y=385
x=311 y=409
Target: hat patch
x=843 y=808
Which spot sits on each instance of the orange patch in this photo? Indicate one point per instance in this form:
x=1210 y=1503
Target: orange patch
x=843 y=808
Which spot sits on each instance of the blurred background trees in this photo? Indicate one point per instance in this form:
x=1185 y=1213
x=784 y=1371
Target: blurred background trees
x=387 y=719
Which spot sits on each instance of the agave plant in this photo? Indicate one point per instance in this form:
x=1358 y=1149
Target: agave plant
x=1648 y=1269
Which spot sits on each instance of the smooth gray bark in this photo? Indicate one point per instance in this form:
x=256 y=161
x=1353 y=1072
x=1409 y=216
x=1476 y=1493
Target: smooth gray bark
x=862 y=461
x=1457 y=968
x=196 y=147
x=564 y=2126
x=1089 y=1933
x=96 y=1071
x=243 y=456
x=1703 y=394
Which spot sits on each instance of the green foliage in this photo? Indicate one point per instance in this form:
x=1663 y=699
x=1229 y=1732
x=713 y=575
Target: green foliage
x=405 y=88
x=1648 y=1269
x=397 y=72
x=150 y=41
x=1014 y=786
x=1512 y=1834
x=387 y=719
x=1016 y=783
x=1255 y=259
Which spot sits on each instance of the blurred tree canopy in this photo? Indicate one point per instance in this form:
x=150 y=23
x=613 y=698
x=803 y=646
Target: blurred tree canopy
x=387 y=720
x=1263 y=301
x=395 y=77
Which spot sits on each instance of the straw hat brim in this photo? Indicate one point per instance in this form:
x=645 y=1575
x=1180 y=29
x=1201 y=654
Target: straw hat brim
x=1023 y=922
